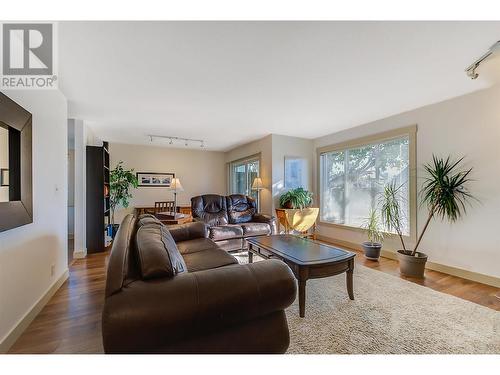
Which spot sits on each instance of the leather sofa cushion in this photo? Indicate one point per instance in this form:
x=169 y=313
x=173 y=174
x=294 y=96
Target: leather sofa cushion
x=235 y=244
x=210 y=208
x=207 y=259
x=147 y=219
x=256 y=229
x=157 y=253
x=225 y=232
x=240 y=208
x=193 y=246
x=188 y=231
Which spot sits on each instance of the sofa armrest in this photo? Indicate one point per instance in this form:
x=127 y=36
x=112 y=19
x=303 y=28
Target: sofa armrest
x=262 y=218
x=188 y=231
x=154 y=314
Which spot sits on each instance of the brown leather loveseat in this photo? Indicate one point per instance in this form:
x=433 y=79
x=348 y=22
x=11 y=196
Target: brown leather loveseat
x=231 y=219
x=175 y=291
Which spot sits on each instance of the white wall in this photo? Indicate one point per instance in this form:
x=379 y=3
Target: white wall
x=71 y=193
x=273 y=149
x=200 y=172
x=467 y=125
x=80 y=131
x=264 y=148
x=27 y=253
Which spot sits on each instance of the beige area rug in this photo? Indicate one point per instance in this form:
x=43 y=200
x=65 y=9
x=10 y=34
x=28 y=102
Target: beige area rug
x=388 y=315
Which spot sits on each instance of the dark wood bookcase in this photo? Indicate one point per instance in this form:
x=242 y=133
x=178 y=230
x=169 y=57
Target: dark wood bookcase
x=98 y=214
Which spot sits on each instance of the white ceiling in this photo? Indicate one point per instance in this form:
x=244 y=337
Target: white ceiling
x=232 y=82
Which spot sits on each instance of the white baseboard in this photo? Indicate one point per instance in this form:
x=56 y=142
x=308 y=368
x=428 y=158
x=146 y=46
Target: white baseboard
x=26 y=320
x=454 y=271
x=79 y=254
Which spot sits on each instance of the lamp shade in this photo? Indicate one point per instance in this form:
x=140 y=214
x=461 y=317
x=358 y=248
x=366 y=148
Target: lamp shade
x=176 y=185
x=257 y=184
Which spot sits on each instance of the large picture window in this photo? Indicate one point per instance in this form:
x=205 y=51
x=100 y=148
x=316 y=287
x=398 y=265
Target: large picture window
x=352 y=177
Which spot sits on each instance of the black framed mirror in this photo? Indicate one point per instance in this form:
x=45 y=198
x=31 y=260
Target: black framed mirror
x=16 y=185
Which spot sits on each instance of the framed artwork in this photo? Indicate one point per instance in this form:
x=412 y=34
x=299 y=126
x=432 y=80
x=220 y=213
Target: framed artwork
x=4 y=177
x=295 y=172
x=153 y=179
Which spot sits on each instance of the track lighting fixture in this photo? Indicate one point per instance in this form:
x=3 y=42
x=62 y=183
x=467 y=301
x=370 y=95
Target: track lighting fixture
x=471 y=69
x=187 y=141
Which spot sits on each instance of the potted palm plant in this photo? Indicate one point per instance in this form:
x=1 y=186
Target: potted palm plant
x=375 y=235
x=121 y=181
x=445 y=195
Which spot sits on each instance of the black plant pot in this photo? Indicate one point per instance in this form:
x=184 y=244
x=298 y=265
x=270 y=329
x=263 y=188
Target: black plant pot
x=372 y=250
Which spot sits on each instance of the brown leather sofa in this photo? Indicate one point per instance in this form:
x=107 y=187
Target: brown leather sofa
x=231 y=219
x=175 y=291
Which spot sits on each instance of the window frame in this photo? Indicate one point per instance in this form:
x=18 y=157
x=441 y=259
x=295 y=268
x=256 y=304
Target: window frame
x=411 y=133
x=245 y=160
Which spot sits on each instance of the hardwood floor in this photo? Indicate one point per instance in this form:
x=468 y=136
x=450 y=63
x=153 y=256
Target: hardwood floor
x=71 y=321
x=481 y=294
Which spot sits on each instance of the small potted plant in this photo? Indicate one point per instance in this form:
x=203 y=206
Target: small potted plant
x=296 y=198
x=296 y=213
x=121 y=181
x=444 y=193
x=375 y=235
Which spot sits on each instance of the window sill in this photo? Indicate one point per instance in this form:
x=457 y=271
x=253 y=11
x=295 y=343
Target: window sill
x=362 y=230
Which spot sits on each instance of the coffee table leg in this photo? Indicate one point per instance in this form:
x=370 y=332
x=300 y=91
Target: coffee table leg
x=349 y=275
x=302 y=298
x=250 y=256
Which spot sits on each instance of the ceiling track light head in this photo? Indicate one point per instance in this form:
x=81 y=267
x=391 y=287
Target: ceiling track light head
x=471 y=73
x=471 y=69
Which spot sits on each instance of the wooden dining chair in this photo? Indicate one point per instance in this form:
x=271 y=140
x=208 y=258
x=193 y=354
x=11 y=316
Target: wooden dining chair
x=167 y=206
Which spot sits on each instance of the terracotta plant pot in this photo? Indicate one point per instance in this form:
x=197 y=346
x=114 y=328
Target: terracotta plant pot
x=372 y=250
x=413 y=266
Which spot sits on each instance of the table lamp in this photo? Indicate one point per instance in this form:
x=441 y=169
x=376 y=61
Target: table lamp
x=176 y=187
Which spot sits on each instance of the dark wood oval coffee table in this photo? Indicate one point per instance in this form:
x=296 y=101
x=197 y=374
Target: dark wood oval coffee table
x=306 y=258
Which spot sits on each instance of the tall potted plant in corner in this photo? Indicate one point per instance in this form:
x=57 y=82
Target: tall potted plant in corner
x=375 y=235
x=445 y=195
x=120 y=184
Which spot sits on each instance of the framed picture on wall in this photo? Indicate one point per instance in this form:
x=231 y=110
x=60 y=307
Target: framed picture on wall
x=295 y=172
x=154 y=179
